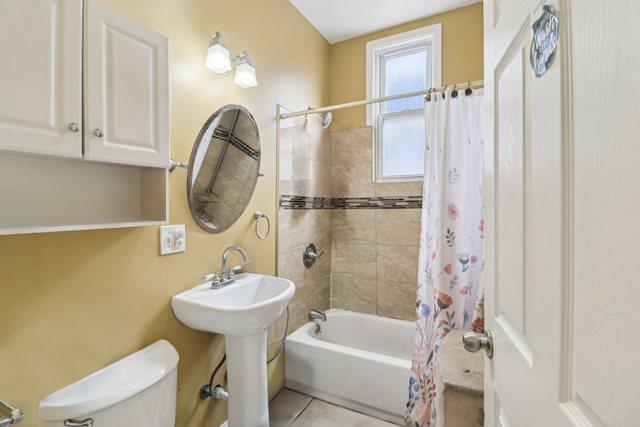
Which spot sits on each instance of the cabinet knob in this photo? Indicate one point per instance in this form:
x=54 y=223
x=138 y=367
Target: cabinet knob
x=99 y=133
x=73 y=127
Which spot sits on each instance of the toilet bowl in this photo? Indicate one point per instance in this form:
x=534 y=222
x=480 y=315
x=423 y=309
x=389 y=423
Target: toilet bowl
x=137 y=391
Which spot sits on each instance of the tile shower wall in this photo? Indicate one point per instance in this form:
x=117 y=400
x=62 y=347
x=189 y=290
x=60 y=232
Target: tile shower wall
x=374 y=257
x=368 y=232
x=305 y=170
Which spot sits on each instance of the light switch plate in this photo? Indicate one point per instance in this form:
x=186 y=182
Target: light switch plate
x=172 y=239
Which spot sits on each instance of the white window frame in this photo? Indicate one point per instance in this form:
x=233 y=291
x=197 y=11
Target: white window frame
x=429 y=37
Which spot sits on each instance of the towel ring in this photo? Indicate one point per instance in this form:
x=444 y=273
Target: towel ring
x=258 y=216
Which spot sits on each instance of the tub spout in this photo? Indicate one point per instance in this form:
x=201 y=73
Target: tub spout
x=317 y=315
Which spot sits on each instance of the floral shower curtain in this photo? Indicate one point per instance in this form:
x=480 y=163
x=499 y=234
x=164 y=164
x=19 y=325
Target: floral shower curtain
x=450 y=243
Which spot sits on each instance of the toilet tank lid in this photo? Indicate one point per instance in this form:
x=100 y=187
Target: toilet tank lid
x=111 y=385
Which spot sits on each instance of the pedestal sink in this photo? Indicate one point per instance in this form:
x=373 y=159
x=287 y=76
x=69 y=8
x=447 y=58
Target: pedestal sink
x=242 y=312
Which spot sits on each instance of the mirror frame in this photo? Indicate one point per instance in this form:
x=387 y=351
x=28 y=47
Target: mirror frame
x=207 y=124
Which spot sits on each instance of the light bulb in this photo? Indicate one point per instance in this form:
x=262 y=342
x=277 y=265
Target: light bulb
x=245 y=72
x=218 y=57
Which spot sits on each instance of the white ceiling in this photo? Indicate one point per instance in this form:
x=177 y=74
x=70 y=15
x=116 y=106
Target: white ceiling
x=339 y=20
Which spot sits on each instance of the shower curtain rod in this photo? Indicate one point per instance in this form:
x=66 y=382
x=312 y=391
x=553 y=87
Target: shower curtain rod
x=476 y=84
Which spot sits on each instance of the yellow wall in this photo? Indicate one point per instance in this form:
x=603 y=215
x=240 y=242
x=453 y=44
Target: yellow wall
x=71 y=303
x=462 y=37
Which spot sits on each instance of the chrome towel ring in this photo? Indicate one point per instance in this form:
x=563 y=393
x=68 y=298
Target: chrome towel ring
x=258 y=216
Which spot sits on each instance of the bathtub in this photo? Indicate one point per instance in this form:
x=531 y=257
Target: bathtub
x=359 y=361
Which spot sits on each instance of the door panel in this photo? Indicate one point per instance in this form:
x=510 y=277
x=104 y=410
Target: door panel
x=524 y=211
x=562 y=202
x=126 y=90
x=129 y=89
x=41 y=76
x=510 y=281
x=605 y=380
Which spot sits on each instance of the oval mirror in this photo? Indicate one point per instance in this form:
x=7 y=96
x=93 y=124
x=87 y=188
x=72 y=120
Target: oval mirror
x=223 y=168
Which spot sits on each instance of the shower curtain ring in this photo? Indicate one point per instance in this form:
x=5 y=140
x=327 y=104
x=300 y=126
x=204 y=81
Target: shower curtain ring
x=454 y=92
x=444 y=92
x=468 y=91
x=429 y=94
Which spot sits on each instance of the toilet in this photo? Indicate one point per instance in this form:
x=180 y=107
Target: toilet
x=137 y=391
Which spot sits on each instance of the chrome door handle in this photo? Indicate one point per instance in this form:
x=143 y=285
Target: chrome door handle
x=99 y=133
x=474 y=341
x=73 y=127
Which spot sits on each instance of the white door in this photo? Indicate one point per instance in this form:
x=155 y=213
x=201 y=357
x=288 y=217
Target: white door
x=41 y=76
x=562 y=176
x=126 y=90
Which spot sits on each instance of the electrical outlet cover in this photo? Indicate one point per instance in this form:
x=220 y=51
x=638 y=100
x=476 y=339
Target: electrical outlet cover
x=172 y=239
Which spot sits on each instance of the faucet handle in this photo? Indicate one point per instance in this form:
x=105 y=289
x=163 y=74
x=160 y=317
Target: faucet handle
x=233 y=270
x=213 y=277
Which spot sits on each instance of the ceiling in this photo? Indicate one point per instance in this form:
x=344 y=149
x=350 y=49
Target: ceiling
x=339 y=20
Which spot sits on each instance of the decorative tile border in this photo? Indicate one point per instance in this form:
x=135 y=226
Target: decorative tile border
x=397 y=202
x=303 y=202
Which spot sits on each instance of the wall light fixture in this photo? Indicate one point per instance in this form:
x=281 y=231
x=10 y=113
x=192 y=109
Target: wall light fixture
x=245 y=72
x=218 y=56
x=219 y=60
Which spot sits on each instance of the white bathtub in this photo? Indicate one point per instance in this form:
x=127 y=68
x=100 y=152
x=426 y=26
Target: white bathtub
x=359 y=361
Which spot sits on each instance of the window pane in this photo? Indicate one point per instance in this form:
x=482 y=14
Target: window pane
x=405 y=73
x=403 y=146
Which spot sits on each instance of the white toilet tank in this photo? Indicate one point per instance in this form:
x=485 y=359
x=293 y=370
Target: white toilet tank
x=137 y=391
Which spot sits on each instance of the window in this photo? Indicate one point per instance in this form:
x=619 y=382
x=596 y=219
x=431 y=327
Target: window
x=401 y=63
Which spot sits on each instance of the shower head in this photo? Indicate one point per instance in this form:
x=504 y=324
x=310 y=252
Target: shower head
x=326 y=118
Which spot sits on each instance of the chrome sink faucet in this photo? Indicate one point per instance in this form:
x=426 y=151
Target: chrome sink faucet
x=227 y=276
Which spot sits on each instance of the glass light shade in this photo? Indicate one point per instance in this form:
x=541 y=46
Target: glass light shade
x=245 y=75
x=218 y=57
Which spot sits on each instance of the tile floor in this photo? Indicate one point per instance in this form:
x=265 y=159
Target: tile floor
x=290 y=408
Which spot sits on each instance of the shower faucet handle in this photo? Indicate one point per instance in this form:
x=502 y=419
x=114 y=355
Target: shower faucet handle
x=310 y=255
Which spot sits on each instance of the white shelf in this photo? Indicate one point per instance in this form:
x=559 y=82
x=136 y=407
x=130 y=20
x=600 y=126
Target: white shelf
x=40 y=194
x=78 y=227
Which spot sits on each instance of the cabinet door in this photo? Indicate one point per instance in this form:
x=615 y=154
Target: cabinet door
x=126 y=90
x=41 y=77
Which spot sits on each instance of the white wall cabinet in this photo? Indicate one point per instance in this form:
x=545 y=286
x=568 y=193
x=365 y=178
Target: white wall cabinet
x=126 y=90
x=84 y=118
x=41 y=77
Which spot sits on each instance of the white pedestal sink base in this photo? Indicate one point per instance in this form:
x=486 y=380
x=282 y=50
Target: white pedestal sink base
x=242 y=312
x=247 y=375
